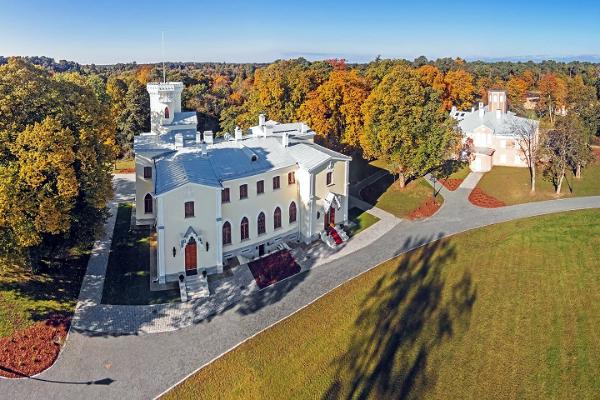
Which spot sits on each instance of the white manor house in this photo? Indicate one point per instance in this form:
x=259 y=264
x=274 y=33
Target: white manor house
x=245 y=194
x=492 y=130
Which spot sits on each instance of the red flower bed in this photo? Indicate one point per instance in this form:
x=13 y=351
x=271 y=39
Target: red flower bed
x=451 y=183
x=482 y=199
x=426 y=209
x=32 y=350
x=273 y=268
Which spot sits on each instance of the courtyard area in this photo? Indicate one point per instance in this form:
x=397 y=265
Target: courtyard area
x=456 y=318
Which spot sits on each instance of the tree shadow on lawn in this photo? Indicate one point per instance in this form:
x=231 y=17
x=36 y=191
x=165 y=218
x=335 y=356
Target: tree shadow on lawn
x=59 y=283
x=409 y=312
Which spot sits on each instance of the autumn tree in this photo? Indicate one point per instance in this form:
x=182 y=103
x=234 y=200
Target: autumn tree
x=431 y=76
x=560 y=149
x=553 y=95
x=406 y=126
x=334 y=109
x=459 y=90
x=56 y=151
x=517 y=88
x=527 y=141
x=280 y=89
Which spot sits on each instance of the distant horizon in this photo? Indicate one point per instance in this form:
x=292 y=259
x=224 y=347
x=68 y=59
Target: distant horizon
x=537 y=59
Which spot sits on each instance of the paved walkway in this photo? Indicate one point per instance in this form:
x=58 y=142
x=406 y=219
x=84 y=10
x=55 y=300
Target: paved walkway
x=92 y=316
x=143 y=366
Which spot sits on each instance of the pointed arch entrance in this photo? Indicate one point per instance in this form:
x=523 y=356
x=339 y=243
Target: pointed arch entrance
x=191 y=257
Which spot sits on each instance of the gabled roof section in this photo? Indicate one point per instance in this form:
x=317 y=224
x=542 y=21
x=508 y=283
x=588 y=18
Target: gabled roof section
x=501 y=126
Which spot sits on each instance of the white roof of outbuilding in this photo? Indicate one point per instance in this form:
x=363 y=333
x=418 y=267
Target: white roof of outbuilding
x=502 y=126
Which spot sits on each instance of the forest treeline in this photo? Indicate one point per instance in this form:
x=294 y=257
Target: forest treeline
x=63 y=123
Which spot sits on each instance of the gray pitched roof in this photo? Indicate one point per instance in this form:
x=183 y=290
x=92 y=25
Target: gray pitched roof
x=502 y=126
x=228 y=160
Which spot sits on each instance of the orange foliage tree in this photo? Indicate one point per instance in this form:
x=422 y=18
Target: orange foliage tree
x=459 y=90
x=334 y=109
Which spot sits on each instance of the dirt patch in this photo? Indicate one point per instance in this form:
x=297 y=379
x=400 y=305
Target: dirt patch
x=125 y=171
x=451 y=183
x=426 y=209
x=481 y=199
x=32 y=350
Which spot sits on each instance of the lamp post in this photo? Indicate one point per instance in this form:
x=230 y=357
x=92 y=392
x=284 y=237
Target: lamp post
x=433 y=179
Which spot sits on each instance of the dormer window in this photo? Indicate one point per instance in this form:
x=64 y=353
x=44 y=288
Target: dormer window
x=166 y=112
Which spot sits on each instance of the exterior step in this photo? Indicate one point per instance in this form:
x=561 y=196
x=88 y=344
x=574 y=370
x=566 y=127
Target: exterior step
x=196 y=287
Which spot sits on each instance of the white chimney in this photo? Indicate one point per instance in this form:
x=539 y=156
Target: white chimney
x=498 y=114
x=303 y=128
x=481 y=110
x=267 y=130
x=238 y=133
x=198 y=138
x=262 y=119
x=285 y=139
x=209 y=137
x=453 y=110
x=178 y=140
x=204 y=149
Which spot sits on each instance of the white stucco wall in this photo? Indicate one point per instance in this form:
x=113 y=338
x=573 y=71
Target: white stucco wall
x=204 y=222
x=236 y=209
x=142 y=187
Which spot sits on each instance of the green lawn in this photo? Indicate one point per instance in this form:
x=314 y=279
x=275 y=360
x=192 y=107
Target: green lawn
x=124 y=165
x=362 y=220
x=507 y=311
x=511 y=185
x=387 y=195
x=26 y=298
x=127 y=276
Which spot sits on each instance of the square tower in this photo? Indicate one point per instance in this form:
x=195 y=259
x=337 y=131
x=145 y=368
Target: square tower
x=165 y=101
x=497 y=100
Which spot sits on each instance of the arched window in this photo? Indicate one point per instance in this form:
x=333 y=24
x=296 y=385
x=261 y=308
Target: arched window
x=277 y=218
x=261 y=223
x=166 y=112
x=244 y=229
x=226 y=233
x=148 y=203
x=292 y=212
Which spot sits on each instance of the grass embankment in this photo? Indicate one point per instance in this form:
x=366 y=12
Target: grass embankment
x=386 y=194
x=361 y=219
x=511 y=185
x=507 y=311
x=128 y=273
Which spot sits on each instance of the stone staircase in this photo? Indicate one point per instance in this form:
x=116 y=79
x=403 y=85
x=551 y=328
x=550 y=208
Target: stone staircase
x=196 y=286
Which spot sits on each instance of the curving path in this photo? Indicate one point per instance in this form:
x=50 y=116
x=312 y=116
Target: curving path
x=143 y=366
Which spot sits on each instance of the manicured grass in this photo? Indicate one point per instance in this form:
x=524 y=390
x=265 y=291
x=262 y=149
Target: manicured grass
x=128 y=273
x=511 y=185
x=361 y=219
x=461 y=173
x=26 y=298
x=387 y=195
x=124 y=165
x=507 y=311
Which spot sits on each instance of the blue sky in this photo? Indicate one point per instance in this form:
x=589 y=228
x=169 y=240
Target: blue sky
x=261 y=31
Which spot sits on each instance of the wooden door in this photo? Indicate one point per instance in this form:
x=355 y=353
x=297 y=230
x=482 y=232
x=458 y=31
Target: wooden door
x=191 y=262
x=331 y=215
